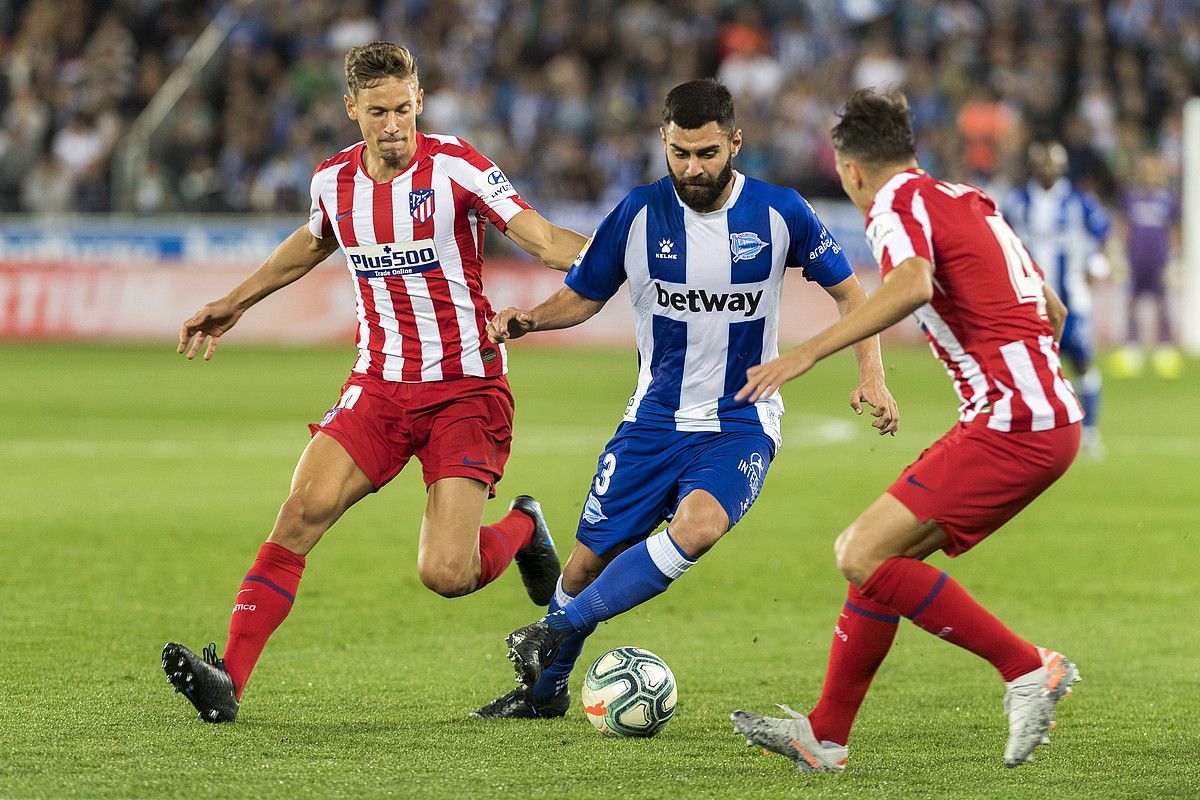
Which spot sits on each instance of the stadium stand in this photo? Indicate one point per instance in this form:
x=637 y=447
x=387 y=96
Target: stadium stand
x=566 y=95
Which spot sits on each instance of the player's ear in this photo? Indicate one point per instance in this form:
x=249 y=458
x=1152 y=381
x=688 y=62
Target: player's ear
x=420 y=102
x=854 y=170
x=351 y=111
x=662 y=133
x=735 y=142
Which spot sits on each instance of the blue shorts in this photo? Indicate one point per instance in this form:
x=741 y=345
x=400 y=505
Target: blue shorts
x=645 y=472
x=1078 y=341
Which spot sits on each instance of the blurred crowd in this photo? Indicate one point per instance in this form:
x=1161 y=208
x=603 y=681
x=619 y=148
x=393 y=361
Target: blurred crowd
x=566 y=94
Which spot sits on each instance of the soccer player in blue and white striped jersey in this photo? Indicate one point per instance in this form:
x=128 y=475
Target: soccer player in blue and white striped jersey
x=704 y=251
x=1064 y=229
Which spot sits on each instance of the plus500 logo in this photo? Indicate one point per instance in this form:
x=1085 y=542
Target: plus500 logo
x=388 y=260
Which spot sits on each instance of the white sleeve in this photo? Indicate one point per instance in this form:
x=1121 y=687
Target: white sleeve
x=319 y=224
x=494 y=197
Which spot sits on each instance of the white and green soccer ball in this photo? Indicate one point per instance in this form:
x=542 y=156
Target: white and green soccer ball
x=629 y=692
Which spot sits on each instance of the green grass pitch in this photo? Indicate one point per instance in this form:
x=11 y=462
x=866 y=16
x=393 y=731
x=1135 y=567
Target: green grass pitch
x=137 y=487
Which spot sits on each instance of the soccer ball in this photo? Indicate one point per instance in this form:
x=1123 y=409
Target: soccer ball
x=629 y=692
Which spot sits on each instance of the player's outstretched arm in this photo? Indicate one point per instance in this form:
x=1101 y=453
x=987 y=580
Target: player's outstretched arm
x=294 y=258
x=906 y=288
x=872 y=387
x=565 y=308
x=556 y=247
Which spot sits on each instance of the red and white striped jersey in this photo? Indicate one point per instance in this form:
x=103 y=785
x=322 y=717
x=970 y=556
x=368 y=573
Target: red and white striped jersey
x=987 y=320
x=414 y=246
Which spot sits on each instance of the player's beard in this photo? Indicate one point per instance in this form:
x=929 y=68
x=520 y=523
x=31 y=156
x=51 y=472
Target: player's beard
x=700 y=193
x=391 y=156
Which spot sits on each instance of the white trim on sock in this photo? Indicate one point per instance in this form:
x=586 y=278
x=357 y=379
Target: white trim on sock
x=666 y=555
x=560 y=594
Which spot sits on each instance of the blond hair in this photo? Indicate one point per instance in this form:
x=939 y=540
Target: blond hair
x=369 y=64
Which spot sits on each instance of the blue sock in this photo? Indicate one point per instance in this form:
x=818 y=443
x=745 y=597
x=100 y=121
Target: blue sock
x=1089 y=396
x=557 y=675
x=640 y=573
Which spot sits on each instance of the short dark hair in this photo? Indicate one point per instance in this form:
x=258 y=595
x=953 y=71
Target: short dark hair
x=875 y=129
x=369 y=64
x=694 y=104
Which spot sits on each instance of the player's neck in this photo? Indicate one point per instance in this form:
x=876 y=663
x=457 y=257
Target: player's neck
x=380 y=171
x=875 y=180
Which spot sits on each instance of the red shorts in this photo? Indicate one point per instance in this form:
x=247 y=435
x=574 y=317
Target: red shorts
x=974 y=479
x=458 y=429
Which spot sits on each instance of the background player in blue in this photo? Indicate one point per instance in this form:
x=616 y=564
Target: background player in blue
x=704 y=251
x=1064 y=229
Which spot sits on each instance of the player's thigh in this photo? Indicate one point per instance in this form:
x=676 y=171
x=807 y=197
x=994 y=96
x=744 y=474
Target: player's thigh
x=450 y=526
x=326 y=482
x=721 y=481
x=464 y=430
x=634 y=488
x=370 y=423
x=886 y=529
x=974 y=479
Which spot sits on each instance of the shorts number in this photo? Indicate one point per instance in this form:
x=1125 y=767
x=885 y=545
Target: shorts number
x=350 y=397
x=608 y=465
x=1026 y=281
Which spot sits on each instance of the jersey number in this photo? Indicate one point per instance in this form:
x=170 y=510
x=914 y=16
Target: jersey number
x=1026 y=281
x=608 y=465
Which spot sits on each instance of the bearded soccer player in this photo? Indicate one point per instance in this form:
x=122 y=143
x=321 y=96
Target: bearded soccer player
x=704 y=251
x=408 y=210
x=948 y=257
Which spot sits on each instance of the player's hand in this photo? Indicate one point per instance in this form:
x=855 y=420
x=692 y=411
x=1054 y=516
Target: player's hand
x=205 y=327
x=511 y=323
x=873 y=392
x=765 y=379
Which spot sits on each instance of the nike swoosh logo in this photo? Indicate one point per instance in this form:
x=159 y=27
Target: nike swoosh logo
x=913 y=480
x=245 y=590
x=471 y=463
x=343 y=215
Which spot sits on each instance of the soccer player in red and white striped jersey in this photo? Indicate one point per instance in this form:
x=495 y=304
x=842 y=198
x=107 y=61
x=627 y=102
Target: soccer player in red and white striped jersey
x=409 y=211
x=950 y=259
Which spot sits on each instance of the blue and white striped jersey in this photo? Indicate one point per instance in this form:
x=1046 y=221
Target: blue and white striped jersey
x=705 y=290
x=1062 y=227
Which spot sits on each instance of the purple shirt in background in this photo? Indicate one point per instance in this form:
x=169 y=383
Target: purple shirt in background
x=1151 y=214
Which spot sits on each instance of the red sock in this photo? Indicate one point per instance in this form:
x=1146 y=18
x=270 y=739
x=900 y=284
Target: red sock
x=937 y=604
x=263 y=601
x=861 y=640
x=499 y=542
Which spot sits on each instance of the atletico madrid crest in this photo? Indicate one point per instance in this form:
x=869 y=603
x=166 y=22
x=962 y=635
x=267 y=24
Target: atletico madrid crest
x=420 y=204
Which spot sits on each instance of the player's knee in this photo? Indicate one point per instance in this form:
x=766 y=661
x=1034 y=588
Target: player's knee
x=854 y=561
x=448 y=580
x=696 y=534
